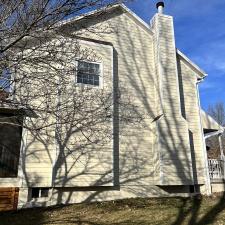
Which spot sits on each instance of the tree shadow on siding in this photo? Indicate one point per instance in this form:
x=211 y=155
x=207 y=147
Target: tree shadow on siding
x=76 y=119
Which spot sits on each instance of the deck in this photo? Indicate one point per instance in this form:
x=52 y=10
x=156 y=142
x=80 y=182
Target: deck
x=216 y=170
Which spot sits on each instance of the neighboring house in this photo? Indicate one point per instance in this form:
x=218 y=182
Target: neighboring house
x=162 y=154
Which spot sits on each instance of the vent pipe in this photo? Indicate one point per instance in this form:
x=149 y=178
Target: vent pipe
x=160 y=7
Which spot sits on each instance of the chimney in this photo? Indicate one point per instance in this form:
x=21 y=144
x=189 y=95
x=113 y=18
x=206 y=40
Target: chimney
x=174 y=147
x=160 y=7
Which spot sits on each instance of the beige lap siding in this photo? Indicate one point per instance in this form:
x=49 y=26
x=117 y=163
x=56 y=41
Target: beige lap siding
x=188 y=77
x=151 y=150
x=172 y=129
x=81 y=162
x=38 y=158
x=134 y=49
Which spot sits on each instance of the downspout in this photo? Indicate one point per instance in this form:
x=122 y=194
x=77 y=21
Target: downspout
x=221 y=146
x=56 y=149
x=205 y=157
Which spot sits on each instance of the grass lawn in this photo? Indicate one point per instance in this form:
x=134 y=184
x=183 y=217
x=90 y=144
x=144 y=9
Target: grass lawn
x=174 y=211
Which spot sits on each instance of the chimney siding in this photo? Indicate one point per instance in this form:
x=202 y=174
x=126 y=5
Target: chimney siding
x=173 y=134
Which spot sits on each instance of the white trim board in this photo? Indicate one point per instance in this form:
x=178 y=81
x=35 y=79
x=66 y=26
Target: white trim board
x=202 y=74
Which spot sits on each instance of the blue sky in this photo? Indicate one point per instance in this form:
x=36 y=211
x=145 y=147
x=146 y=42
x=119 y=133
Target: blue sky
x=200 y=34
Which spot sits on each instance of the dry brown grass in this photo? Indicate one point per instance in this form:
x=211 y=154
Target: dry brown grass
x=163 y=211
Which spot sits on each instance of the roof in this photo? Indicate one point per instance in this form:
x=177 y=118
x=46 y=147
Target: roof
x=108 y=9
x=209 y=123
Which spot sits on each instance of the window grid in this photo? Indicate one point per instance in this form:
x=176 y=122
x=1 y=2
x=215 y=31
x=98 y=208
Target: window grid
x=88 y=73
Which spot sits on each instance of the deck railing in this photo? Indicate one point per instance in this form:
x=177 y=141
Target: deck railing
x=216 y=169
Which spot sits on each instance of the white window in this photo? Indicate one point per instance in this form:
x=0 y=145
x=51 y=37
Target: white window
x=88 y=73
x=39 y=192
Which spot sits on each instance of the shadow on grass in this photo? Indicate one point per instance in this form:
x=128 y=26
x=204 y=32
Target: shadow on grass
x=173 y=211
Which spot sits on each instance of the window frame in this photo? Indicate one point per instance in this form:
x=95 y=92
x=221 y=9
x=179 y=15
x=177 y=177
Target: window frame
x=40 y=191
x=100 y=74
x=17 y=149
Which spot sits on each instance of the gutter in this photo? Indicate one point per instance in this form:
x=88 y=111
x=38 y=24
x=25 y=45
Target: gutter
x=201 y=74
x=205 y=157
x=214 y=134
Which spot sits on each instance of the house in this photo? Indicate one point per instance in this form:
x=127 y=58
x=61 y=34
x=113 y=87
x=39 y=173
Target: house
x=134 y=128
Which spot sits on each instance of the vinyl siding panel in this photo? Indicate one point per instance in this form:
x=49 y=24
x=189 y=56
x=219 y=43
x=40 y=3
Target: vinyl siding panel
x=190 y=110
x=97 y=166
x=136 y=82
x=172 y=128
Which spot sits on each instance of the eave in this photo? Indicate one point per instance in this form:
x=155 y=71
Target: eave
x=201 y=73
x=108 y=9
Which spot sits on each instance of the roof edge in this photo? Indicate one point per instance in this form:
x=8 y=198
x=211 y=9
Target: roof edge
x=202 y=74
x=136 y=17
x=107 y=8
x=222 y=129
x=92 y=12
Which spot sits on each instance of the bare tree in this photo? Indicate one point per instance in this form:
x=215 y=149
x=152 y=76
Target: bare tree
x=31 y=49
x=38 y=64
x=27 y=52
x=217 y=112
x=21 y=19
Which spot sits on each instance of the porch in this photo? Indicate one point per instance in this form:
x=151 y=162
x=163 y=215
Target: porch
x=214 y=143
x=216 y=163
x=217 y=175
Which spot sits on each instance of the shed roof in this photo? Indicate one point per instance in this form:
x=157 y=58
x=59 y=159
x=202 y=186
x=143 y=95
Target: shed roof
x=209 y=123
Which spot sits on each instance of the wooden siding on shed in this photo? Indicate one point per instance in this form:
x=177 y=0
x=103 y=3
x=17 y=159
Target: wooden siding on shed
x=8 y=198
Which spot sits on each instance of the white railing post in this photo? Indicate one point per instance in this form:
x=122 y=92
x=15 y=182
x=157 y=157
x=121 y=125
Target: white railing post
x=223 y=162
x=221 y=146
x=222 y=154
